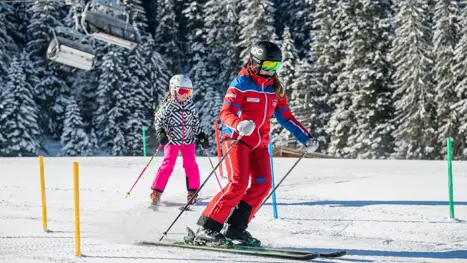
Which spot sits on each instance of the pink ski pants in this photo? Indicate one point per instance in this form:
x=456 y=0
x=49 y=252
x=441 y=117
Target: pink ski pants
x=167 y=166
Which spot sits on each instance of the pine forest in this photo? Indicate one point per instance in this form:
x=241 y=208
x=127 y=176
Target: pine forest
x=370 y=79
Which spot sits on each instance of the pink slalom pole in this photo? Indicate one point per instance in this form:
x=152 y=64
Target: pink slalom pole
x=142 y=172
x=212 y=165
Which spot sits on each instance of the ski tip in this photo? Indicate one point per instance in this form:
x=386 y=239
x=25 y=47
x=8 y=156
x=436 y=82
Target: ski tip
x=182 y=208
x=336 y=254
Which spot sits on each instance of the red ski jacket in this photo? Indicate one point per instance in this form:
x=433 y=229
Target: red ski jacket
x=251 y=97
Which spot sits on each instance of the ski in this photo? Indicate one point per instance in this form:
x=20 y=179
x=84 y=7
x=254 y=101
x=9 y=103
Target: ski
x=240 y=251
x=333 y=254
x=189 y=238
x=164 y=204
x=191 y=208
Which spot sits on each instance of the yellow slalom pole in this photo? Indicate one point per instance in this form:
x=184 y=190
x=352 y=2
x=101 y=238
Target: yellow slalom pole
x=76 y=198
x=44 y=204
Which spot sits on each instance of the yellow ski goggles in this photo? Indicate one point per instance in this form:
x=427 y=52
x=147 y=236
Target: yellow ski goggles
x=271 y=66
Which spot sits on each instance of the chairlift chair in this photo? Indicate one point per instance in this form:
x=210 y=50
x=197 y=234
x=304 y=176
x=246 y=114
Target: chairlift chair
x=65 y=48
x=108 y=28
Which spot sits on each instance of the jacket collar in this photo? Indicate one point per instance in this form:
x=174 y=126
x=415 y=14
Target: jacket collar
x=259 y=80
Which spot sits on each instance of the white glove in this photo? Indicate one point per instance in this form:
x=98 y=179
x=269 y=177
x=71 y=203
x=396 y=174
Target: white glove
x=245 y=128
x=311 y=145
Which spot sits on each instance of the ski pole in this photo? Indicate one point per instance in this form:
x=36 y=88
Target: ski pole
x=212 y=165
x=202 y=185
x=277 y=186
x=142 y=172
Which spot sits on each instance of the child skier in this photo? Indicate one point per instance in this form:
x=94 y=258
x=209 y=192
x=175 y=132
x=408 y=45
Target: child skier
x=177 y=127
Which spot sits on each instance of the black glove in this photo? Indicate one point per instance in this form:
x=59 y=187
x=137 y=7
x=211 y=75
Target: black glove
x=203 y=140
x=162 y=137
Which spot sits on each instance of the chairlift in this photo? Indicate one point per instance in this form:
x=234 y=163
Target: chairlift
x=65 y=48
x=109 y=28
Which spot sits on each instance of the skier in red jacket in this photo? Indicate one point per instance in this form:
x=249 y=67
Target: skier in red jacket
x=251 y=100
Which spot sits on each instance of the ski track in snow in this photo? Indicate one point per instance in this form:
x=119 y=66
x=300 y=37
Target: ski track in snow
x=380 y=211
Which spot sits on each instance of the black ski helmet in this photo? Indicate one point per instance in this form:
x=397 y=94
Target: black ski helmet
x=265 y=50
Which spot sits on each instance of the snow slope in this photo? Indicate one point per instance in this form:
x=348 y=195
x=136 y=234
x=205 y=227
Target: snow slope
x=380 y=211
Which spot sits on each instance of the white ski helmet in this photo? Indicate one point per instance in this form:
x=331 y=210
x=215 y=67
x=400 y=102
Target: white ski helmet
x=180 y=81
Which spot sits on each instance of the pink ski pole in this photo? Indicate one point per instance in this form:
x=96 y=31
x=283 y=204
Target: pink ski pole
x=212 y=165
x=142 y=172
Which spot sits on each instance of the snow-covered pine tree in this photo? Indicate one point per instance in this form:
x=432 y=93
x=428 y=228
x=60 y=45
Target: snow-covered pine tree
x=84 y=87
x=459 y=71
x=222 y=35
x=137 y=15
x=6 y=41
x=368 y=79
x=289 y=58
x=341 y=121
x=196 y=53
x=197 y=75
x=167 y=43
x=74 y=140
x=45 y=17
x=446 y=35
x=327 y=53
x=310 y=103
x=112 y=113
x=415 y=134
x=151 y=8
x=210 y=105
x=18 y=21
x=297 y=15
x=192 y=34
x=256 y=21
x=51 y=88
x=20 y=130
x=159 y=75
x=138 y=95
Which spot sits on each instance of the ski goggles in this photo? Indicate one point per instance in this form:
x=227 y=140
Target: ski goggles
x=183 y=91
x=271 y=66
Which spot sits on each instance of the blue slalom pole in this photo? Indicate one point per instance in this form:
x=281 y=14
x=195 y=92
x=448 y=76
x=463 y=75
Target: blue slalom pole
x=274 y=205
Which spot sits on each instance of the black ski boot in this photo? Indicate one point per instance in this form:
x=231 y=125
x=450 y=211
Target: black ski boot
x=241 y=236
x=208 y=237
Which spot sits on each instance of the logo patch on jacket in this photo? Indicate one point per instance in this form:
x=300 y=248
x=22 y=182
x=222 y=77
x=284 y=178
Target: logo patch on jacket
x=274 y=102
x=252 y=99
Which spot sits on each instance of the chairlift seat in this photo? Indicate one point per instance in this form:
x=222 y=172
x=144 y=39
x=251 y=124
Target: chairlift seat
x=71 y=53
x=110 y=29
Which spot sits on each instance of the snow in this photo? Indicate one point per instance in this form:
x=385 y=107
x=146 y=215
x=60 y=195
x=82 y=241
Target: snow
x=380 y=211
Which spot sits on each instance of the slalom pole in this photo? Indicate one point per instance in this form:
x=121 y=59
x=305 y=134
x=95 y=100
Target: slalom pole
x=274 y=204
x=142 y=172
x=450 y=182
x=283 y=178
x=202 y=185
x=43 y=197
x=76 y=202
x=144 y=142
x=212 y=165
